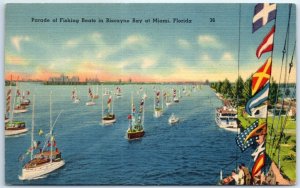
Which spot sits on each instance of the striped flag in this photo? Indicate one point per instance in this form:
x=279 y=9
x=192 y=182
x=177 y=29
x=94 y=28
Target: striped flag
x=262 y=76
x=258 y=98
x=263 y=13
x=267 y=44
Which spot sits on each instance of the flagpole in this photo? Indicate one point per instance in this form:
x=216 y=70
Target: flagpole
x=237 y=100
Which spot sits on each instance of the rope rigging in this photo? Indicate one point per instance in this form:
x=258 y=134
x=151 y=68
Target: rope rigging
x=284 y=51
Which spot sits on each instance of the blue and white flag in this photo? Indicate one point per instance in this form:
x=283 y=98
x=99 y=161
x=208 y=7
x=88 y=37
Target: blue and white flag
x=258 y=98
x=263 y=13
x=241 y=141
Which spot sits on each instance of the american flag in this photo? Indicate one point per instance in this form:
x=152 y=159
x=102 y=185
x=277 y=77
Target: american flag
x=240 y=139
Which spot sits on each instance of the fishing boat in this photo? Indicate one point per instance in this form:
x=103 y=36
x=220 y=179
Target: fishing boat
x=18 y=108
x=75 y=97
x=167 y=99
x=91 y=99
x=175 y=98
x=96 y=96
x=12 y=127
x=106 y=92
x=173 y=119
x=47 y=160
x=118 y=92
x=226 y=118
x=25 y=101
x=158 y=109
x=136 y=122
x=108 y=118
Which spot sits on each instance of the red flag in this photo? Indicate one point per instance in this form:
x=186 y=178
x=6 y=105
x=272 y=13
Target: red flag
x=109 y=100
x=267 y=44
x=262 y=76
x=129 y=116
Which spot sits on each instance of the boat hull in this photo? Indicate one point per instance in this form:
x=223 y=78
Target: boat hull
x=233 y=127
x=17 y=111
x=173 y=121
x=135 y=135
x=158 y=113
x=109 y=120
x=90 y=103
x=36 y=172
x=13 y=132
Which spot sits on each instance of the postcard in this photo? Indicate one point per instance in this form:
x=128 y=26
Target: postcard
x=150 y=94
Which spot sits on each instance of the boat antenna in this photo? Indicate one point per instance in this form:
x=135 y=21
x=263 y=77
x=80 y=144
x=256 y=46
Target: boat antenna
x=32 y=129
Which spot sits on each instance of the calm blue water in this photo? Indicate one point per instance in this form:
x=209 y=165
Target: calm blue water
x=189 y=153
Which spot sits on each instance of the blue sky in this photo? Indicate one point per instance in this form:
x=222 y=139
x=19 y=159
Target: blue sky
x=148 y=51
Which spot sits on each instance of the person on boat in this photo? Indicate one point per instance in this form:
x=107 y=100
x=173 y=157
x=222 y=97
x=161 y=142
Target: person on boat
x=241 y=175
x=235 y=177
x=247 y=175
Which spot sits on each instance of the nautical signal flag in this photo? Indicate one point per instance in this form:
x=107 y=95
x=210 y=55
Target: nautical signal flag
x=261 y=148
x=243 y=140
x=259 y=164
x=258 y=99
x=263 y=13
x=267 y=44
x=262 y=76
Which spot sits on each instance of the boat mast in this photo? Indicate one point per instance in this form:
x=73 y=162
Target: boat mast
x=130 y=123
x=162 y=101
x=143 y=118
x=102 y=101
x=51 y=127
x=14 y=103
x=32 y=129
x=112 y=104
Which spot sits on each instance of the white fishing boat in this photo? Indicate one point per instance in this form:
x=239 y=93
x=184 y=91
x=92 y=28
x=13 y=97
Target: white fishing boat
x=24 y=100
x=158 y=106
x=12 y=127
x=96 y=95
x=226 y=118
x=75 y=97
x=118 y=92
x=108 y=117
x=175 y=98
x=44 y=162
x=173 y=119
x=18 y=107
x=91 y=99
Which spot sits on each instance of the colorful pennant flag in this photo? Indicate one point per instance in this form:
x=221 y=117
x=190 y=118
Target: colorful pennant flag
x=259 y=164
x=263 y=13
x=262 y=76
x=258 y=99
x=259 y=112
x=267 y=44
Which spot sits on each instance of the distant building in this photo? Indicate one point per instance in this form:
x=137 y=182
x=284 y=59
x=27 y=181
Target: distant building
x=63 y=79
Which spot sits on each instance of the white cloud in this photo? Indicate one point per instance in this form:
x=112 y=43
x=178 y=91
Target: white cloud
x=17 y=40
x=136 y=40
x=72 y=43
x=148 y=62
x=227 y=56
x=183 y=43
x=209 y=41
